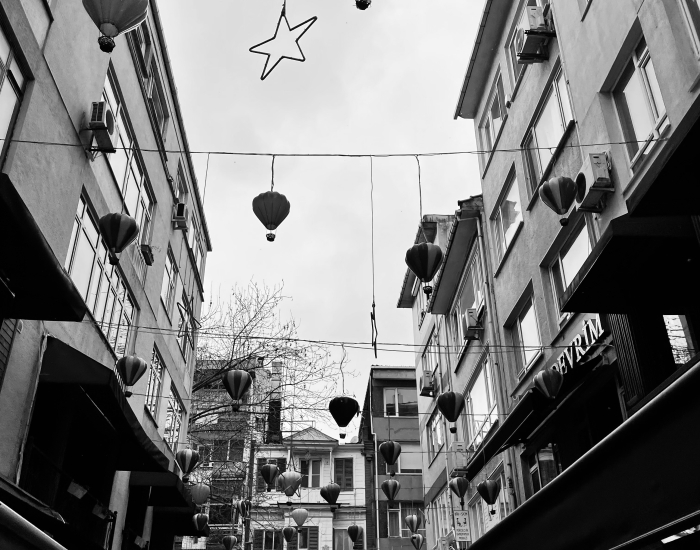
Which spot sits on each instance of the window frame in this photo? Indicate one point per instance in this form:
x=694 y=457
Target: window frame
x=435 y=427
x=343 y=476
x=155 y=384
x=693 y=22
x=503 y=246
x=477 y=430
x=17 y=84
x=402 y=509
x=171 y=274
x=558 y=281
x=487 y=133
x=307 y=481
x=397 y=405
x=174 y=420
x=517 y=334
x=456 y=316
x=397 y=467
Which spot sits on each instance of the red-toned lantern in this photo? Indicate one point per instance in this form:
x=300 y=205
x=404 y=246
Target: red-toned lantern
x=200 y=521
x=424 y=260
x=489 y=490
x=417 y=540
x=200 y=493
x=115 y=17
x=451 y=405
x=289 y=482
x=269 y=473
x=299 y=516
x=343 y=409
x=354 y=532
x=412 y=522
x=271 y=208
x=237 y=383
x=459 y=486
x=558 y=194
x=391 y=488
x=390 y=450
x=118 y=231
x=330 y=492
x=288 y=533
x=187 y=459
x=131 y=368
x=229 y=542
x=549 y=381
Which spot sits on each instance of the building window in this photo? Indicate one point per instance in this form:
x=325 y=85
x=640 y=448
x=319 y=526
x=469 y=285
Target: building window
x=430 y=361
x=167 y=291
x=181 y=185
x=508 y=217
x=691 y=10
x=341 y=540
x=435 y=435
x=400 y=402
x=548 y=130
x=11 y=88
x=272 y=540
x=155 y=381
x=493 y=117
x=173 y=420
x=343 y=473
x=518 y=39
x=639 y=103
x=444 y=513
x=157 y=101
x=544 y=467
x=396 y=518
x=303 y=538
x=470 y=297
x=481 y=405
x=185 y=327
x=476 y=518
x=311 y=470
x=569 y=261
x=99 y=283
x=526 y=337
x=144 y=47
x=409 y=461
x=196 y=242
x=680 y=336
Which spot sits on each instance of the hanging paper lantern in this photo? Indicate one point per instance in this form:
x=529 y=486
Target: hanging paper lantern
x=289 y=482
x=549 y=382
x=451 y=404
x=114 y=17
x=417 y=540
x=412 y=522
x=391 y=488
x=229 y=542
x=118 y=231
x=459 y=486
x=271 y=208
x=355 y=532
x=489 y=490
x=131 y=368
x=424 y=260
x=299 y=516
x=200 y=493
x=200 y=521
x=558 y=194
x=362 y=4
x=330 y=492
x=237 y=383
x=390 y=451
x=288 y=533
x=187 y=459
x=343 y=409
x=244 y=507
x=269 y=473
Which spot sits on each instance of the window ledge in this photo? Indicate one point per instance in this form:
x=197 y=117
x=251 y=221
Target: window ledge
x=650 y=143
x=150 y=416
x=494 y=146
x=536 y=359
x=507 y=252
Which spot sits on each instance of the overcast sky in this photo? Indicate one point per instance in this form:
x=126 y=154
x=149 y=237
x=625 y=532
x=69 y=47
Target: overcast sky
x=384 y=80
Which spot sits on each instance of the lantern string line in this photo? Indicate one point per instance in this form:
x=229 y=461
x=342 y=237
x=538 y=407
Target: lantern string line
x=373 y=315
x=272 y=185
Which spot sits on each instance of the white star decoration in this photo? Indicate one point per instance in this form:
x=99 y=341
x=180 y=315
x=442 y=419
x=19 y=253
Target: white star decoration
x=284 y=45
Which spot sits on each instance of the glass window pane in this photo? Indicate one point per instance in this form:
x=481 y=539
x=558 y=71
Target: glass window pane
x=118 y=161
x=573 y=258
x=131 y=193
x=637 y=107
x=17 y=73
x=8 y=101
x=81 y=268
x=394 y=530
x=549 y=129
x=390 y=401
x=654 y=87
x=564 y=98
x=4 y=48
x=529 y=335
x=511 y=214
x=408 y=401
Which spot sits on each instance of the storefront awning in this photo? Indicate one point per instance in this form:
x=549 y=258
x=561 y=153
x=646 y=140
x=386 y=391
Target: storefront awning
x=64 y=365
x=29 y=268
x=532 y=409
x=166 y=488
x=639 y=265
x=635 y=487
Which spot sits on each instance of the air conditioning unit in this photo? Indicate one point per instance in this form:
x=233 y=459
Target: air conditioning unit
x=537 y=36
x=470 y=324
x=593 y=183
x=103 y=126
x=457 y=458
x=427 y=384
x=181 y=216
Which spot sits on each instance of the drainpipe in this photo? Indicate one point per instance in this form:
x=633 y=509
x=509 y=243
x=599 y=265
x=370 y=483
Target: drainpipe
x=374 y=459
x=27 y=531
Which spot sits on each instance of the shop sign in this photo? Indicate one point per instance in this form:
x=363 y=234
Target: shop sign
x=462 y=525
x=582 y=343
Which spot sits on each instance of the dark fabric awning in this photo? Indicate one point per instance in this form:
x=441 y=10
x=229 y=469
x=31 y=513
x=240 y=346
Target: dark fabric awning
x=639 y=265
x=532 y=409
x=41 y=287
x=166 y=488
x=64 y=365
x=619 y=494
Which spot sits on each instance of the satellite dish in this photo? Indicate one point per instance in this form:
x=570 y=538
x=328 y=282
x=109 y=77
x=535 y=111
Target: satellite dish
x=354 y=439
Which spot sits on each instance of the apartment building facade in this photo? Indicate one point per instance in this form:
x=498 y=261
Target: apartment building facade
x=80 y=460
x=604 y=94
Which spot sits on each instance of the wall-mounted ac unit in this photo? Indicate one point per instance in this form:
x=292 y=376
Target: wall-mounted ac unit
x=103 y=126
x=537 y=36
x=470 y=324
x=427 y=384
x=457 y=459
x=593 y=183
x=181 y=216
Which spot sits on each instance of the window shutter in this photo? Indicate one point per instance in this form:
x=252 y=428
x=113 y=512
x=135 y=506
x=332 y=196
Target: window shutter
x=313 y=538
x=278 y=539
x=261 y=482
x=282 y=465
x=258 y=539
x=383 y=519
x=360 y=542
x=294 y=543
x=348 y=473
x=338 y=472
x=305 y=473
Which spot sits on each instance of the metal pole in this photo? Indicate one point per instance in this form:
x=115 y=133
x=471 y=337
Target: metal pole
x=247 y=542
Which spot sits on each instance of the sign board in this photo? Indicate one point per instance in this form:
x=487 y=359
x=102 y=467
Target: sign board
x=462 y=525
x=591 y=333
